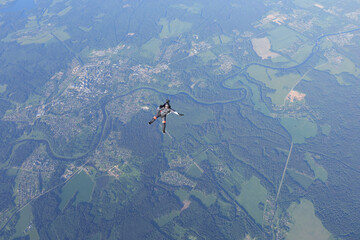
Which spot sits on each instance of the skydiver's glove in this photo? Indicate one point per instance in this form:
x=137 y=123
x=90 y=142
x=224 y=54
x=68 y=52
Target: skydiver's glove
x=180 y=114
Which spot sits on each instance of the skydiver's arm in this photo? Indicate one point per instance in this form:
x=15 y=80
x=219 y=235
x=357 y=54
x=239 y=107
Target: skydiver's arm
x=175 y=112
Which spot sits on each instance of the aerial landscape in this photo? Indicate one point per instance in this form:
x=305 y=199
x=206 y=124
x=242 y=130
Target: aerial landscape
x=267 y=147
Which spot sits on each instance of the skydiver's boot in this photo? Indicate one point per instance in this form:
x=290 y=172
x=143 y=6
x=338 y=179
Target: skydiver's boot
x=153 y=120
x=164 y=125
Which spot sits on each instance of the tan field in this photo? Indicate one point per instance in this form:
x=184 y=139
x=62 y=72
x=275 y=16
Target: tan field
x=262 y=48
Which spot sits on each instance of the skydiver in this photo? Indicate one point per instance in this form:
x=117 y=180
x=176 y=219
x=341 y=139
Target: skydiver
x=162 y=111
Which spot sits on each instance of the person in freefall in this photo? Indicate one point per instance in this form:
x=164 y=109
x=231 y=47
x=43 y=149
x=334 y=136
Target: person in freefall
x=162 y=111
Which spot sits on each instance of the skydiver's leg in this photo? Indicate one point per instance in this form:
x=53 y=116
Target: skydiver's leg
x=154 y=118
x=164 y=123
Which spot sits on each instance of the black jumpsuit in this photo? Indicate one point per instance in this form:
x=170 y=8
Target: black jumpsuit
x=162 y=112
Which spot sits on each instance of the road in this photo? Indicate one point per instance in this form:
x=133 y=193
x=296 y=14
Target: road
x=283 y=175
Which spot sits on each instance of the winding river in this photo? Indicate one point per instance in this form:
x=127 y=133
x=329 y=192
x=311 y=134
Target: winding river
x=105 y=99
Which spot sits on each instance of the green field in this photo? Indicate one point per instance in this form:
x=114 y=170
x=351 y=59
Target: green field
x=282 y=38
x=64 y=11
x=174 y=28
x=182 y=194
x=25 y=225
x=319 y=171
x=216 y=40
x=344 y=65
x=12 y=171
x=212 y=137
x=225 y=208
x=305 y=224
x=151 y=49
x=195 y=8
x=221 y=39
x=235 y=82
x=34 y=134
x=34 y=99
x=207 y=56
x=341 y=80
x=225 y=39
x=3 y=88
x=85 y=29
x=281 y=84
x=42 y=37
x=32 y=22
x=304 y=180
x=207 y=200
x=302 y=53
x=252 y=194
x=280 y=59
x=194 y=171
x=61 y=34
x=235 y=178
x=325 y=129
x=161 y=221
x=81 y=184
x=54 y=2
x=39 y=39
x=36 y=32
x=299 y=128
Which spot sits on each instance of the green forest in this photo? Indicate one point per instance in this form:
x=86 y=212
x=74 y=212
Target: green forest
x=266 y=149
